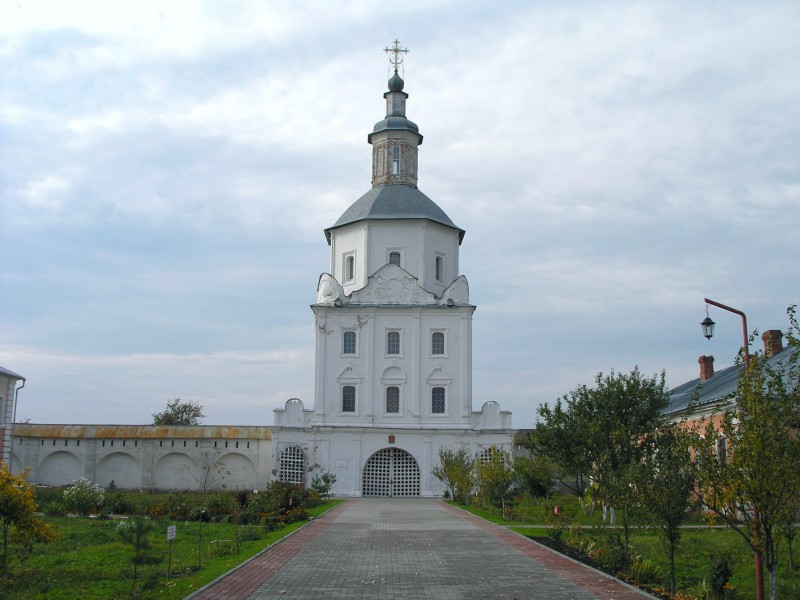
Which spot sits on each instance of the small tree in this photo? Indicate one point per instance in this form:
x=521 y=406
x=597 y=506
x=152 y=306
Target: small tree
x=83 y=497
x=536 y=474
x=754 y=484
x=599 y=431
x=559 y=437
x=135 y=534
x=323 y=483
x=19 y=525
x=494 y=473
x=210 y=471
x=179 y=412
x=455 y=470
x=662 y=484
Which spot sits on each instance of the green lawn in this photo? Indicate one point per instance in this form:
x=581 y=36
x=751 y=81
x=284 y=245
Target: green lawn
x=90 y=562
x=700 y=548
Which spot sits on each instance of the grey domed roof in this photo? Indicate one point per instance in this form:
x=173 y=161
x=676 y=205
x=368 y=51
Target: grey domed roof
x=394 y=201
x=395 y=122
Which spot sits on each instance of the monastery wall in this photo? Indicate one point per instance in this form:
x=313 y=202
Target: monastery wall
x=147 y=457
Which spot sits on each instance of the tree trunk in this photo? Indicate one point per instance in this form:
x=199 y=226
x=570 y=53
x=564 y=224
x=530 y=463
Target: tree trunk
x=773 y=581
x=671 y=567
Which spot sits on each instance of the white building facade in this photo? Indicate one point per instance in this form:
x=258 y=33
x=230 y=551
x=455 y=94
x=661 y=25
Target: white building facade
x=393 y=321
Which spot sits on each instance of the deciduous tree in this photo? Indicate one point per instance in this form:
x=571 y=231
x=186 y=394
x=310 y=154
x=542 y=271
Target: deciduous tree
x=662 y=486
x=455 y=470
x=754 y=485
x=179 y=412
x=494 y=475
x=19 y=525
x=536 y=474
x=599 y=431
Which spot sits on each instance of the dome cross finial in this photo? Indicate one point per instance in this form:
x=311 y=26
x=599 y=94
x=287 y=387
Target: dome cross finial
x=397 y=51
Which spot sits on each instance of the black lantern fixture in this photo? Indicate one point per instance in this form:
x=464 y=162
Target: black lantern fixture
x=708 y=326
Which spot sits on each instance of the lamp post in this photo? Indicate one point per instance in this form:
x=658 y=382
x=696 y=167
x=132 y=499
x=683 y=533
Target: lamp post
x=708 y=331
x=708 y=328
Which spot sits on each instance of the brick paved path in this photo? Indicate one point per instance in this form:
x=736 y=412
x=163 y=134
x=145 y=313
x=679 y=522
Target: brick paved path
x=411 y=548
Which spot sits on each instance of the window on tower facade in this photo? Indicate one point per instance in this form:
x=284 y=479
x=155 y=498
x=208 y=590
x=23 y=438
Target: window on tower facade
x=350 y=268
x=392 y=399
x=394 y=258
x=393 y=342
x=437 y=343
x=349 y=342
x=439 y=265
x=437 y=400
x=349 y=398
x=396 y=159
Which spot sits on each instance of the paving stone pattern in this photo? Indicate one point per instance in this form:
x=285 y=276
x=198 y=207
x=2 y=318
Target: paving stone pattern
x=385 y=548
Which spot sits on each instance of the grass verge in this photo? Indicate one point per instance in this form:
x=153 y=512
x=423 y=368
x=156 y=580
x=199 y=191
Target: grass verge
x=90 y=562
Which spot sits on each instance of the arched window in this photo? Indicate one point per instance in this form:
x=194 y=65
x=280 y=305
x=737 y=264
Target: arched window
x=350 y=268
x=291 y=466
x=392 y=399
x=396 y=159
x=393 y=342
x=394 y=258
x=349 y=342
x=439 y=266
x=437 y=400
x=437 y=342
x=349 y=398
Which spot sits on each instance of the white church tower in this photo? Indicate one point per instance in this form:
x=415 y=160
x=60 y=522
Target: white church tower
x=393 y=337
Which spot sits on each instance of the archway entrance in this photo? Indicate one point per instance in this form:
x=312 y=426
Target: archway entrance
x=390 y=472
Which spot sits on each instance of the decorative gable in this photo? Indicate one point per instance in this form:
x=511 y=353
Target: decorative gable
x=392 y=284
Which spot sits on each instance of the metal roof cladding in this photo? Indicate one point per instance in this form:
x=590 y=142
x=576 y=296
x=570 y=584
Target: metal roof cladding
x=394 y=201
x=395 y=122
x=721 y=385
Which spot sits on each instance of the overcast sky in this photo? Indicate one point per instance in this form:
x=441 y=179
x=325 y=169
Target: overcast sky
x=167 y=170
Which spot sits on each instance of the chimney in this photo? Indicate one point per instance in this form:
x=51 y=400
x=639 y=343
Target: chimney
x=772 y=342
x=706 y=367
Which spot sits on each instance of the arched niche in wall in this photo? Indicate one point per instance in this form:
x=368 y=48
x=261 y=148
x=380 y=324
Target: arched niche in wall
x=177 y=471
x=238 y=472
x=121 y=468
x=58 y=468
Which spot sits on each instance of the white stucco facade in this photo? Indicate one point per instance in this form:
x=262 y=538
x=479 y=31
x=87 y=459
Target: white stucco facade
x=393 y=327
x=8 y=397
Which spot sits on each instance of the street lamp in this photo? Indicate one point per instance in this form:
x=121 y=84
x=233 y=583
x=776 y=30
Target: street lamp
x=708 y=330
x=708 y=327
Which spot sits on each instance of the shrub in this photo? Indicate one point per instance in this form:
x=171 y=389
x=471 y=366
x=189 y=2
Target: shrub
x=83 y=497
x=644 y=571
x=221 y=505
x=54 y=508
x=119 y=504
x=614 y=555
x=249 y=533
x=719 y=577
x=179 y=506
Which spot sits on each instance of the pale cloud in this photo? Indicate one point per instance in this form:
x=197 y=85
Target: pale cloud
x=47 y=193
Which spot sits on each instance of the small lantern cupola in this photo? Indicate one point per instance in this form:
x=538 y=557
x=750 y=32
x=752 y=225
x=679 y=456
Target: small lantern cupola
x=395 y=139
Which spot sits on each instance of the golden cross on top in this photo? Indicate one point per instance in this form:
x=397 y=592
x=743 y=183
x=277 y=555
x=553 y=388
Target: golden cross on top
x=397 y=59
